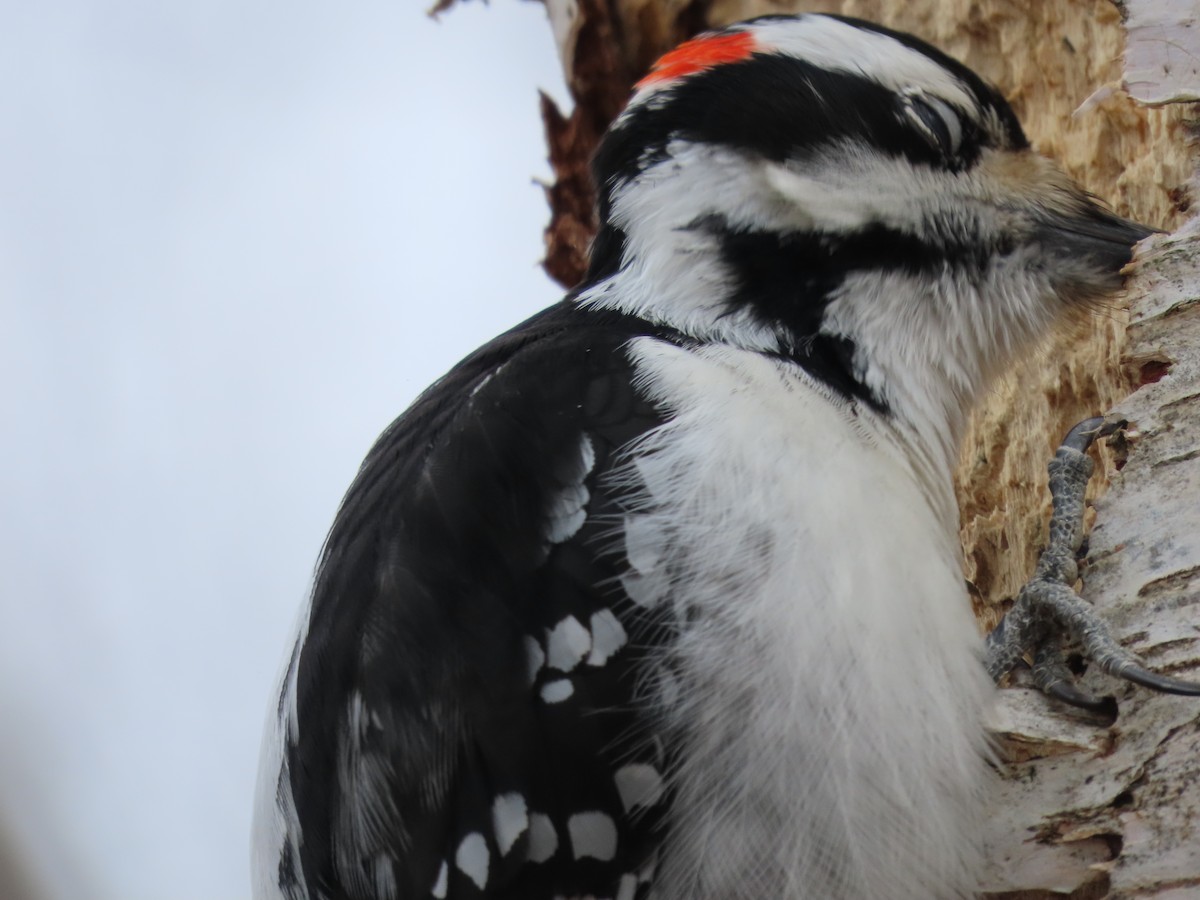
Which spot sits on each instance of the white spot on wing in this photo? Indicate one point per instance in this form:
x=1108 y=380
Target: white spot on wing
x=567 y=513
x=557 y=691
x=645 y=590
x=568 y=508
x=607 y=637
x=543 y=839
x=443 y=878
x=627 y=889
x=472 y=858
x=645 y=542
x=652 y=478
x=509 y=820
x=639 y=785
x=593 y=834
x=587 y=455
x=666 y=686
x=535 y=658
x=567 y=644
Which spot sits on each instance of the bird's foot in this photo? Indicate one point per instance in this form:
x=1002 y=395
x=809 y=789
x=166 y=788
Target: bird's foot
x=1048 y=612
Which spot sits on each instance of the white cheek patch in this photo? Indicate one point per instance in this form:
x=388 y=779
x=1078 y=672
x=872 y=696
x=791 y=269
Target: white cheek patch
x=847 y=190
x=824 y=204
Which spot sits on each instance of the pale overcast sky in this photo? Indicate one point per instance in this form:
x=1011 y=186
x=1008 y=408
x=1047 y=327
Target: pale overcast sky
x=236 y=239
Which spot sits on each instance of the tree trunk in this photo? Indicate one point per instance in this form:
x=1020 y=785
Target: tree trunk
x=1084 y=811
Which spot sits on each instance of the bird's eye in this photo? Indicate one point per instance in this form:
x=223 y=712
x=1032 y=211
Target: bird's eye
x=937 y=122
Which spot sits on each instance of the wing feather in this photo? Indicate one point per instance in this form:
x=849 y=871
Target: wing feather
x=465 y=691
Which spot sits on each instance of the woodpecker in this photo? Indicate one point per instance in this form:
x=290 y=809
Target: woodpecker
x=659 y=593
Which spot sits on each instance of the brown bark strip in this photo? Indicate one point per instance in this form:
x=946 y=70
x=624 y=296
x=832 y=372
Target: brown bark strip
x=607 y=45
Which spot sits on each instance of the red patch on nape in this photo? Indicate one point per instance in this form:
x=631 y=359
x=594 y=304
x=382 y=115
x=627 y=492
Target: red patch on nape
x=699 y=54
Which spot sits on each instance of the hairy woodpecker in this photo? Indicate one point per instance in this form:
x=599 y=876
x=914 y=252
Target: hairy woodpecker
x=659 y=594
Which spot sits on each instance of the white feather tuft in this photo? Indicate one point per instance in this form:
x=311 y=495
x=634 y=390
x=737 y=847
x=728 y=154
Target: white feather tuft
x=829 y=687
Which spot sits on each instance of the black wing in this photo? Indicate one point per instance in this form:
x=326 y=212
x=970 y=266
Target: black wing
x=466 y=724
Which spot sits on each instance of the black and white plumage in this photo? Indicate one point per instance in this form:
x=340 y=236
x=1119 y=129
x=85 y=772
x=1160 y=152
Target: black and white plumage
x=659 y=594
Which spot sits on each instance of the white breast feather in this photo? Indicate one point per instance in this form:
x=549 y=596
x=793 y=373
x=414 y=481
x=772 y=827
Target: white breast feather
x=827 y=681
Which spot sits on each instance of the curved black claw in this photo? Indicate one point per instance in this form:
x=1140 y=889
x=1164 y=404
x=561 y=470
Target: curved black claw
x=1164 y=684
x=1083 y=435
x=1068 y=615
x=1050 y=673
x=1104 y=707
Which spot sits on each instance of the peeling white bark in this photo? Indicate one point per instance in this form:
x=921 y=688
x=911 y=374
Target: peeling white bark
x=1162 y=51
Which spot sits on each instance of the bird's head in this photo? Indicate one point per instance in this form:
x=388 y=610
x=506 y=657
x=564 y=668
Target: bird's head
x=831 y=190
